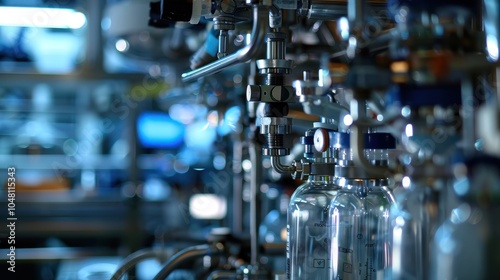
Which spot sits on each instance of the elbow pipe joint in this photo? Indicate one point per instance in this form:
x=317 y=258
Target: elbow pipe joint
x=275 y=128
x=280 y=168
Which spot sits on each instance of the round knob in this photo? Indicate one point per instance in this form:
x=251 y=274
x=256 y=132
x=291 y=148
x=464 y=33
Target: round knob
x=321 y=140
x=253 y=93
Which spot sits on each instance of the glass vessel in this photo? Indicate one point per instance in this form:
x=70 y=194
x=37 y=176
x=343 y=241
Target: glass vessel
x=307 y=229
x=360 y=231
x=466 y=245
x=414 y=219
x=460 y=249
x=359 y=214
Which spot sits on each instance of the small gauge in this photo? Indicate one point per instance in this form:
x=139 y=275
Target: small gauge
x=321 y=140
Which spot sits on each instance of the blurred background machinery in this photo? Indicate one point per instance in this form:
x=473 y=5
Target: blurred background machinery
x=256 y=139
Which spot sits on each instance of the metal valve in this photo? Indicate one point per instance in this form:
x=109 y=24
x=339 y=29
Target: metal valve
x=272 y=93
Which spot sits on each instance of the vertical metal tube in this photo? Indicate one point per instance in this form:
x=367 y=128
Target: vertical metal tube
x=94 y=49
x=355 y=11
x=177 y=39
x=497 y=87
x=255 y=182
x=468 y=131
x=133 y=237
x=237 y=187
x=223 y=41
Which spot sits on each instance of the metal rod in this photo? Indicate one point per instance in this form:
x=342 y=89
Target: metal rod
x=468 y=131
x=94 y=52
x=237 y=187
x=260 y=23
x=497 y=87
x=355 y=12
x=255 y=152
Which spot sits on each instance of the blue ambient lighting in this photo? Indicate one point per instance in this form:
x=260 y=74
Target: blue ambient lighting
x=158 y=130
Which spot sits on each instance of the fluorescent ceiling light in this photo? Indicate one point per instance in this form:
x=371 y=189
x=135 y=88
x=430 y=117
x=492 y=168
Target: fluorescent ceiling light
x=41 y=17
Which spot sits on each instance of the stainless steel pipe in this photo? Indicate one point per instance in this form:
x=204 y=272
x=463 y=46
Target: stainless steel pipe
x=260 y=23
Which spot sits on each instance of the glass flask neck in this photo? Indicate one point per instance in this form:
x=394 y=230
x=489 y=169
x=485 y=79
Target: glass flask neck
x=379 y=157
x=347 y=183
x=323 y=179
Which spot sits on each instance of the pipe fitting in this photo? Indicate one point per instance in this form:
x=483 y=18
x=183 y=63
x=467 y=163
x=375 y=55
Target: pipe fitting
x=280 y=168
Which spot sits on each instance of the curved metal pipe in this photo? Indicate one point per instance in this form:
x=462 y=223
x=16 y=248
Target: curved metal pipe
x=134 y=258
x=280 y=168
x=260 y=23
x=183 y=256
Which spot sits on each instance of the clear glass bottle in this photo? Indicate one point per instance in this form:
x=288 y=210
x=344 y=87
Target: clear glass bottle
x=460 y=247
x=307 y=229
x=466 y=245
x=414 y=219
x=360 y=246
x=359 y=216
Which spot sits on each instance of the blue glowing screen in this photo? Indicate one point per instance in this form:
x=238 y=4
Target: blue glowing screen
x=158 y=130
